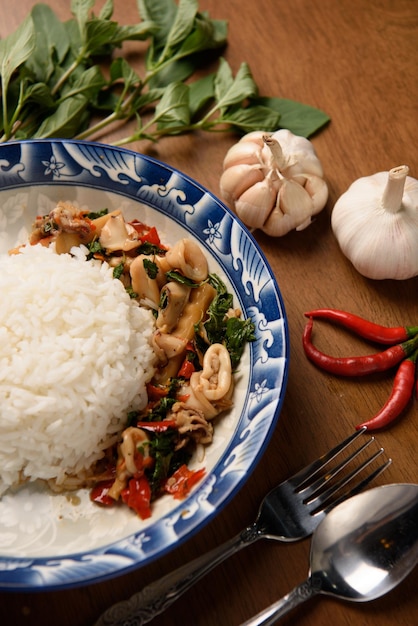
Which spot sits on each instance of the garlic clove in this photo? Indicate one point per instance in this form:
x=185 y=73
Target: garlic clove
x=278 y=224
x=236 y=179
x=246 y=152
x=256 y=203
x=295 y=200
x=316 y=187
x=256 y=136
x=293 y=208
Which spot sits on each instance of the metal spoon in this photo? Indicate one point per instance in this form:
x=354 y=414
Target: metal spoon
x=360 y=551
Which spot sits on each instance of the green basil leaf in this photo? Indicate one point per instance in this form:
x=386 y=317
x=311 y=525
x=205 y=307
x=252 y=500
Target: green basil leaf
x=81 y=10
x=150 y=268
x=66 y=120
x=106 y=10
x=74 y=37
x=176 y=71
x=41 y=95
x=118 y=270
x=180 y=278
x=121 y=70
x=299 y=118
x=224 y=78
x=163 y=14
x=252 y=117
x=102 y=36
x=238 y=333
x=15 y=50
x=95 y=214
x=219 y=33
x=88 y=83
x=134 y=32
x=201 y=92
x=147 y=97
x=201 y=38
x=229 y=90
x=52 y=43
x=173 y=108
x=181 y=26
x=107 y=101
x=99 y=35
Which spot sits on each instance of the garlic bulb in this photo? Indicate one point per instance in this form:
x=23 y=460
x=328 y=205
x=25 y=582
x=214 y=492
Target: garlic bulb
x=273 y=182
x=376 y=224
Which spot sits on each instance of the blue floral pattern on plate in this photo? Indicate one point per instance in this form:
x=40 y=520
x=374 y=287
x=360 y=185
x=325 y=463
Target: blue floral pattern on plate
x=40 y=545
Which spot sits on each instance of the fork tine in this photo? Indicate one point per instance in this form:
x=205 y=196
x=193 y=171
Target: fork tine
x=314 y=487
x=360 y=486
x=320 y=501
x=309 y=472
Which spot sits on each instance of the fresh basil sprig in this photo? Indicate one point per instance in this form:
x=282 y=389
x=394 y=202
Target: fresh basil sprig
x=57 y=77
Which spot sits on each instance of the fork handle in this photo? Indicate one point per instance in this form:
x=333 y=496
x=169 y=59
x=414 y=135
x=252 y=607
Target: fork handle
x=159 y=595
x=308 y=589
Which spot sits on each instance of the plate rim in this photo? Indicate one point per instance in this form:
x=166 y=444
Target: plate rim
x=8 y=562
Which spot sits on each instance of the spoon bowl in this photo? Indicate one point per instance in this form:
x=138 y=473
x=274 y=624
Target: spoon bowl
x=368 y=544
x=361 y=550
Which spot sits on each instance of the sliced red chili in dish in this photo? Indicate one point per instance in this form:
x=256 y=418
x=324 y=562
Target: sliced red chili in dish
x=182 y=481
x=157 y=426
x=137 y=496
x=99 y=493
x=151 y=237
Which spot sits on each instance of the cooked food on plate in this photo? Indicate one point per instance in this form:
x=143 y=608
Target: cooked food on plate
x=118 y=353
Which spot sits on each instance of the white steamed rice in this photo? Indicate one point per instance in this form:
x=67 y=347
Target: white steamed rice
x=74 y=359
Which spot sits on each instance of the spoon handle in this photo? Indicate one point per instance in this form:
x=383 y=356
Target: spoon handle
x=278 y=609
x=156 y=597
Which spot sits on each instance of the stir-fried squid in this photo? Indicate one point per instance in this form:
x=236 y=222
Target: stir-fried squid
x=198 y=342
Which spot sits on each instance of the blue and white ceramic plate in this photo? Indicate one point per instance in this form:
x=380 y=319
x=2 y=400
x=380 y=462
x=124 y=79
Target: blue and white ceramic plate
x=51 y=541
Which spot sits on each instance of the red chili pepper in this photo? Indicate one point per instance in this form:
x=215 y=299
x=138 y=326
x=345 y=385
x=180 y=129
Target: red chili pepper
x=99 y=493
x=399 y=398
x=151 y=237
x=157 y=427
x=183 y=397
x=181 y=482
x=364 y=328
x=142 y=461
x=138 y=496
x=147 y=234
x=140 y=227
x=155 y=392
x=187 y=369
x=357 y=365
x=188 y=366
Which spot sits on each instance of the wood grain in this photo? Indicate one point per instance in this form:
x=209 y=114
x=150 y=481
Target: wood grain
x=356 y=60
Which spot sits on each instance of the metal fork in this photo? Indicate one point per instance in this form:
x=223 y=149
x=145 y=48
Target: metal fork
x=291 y=511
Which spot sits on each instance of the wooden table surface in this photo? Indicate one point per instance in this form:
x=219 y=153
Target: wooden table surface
x=356 y=60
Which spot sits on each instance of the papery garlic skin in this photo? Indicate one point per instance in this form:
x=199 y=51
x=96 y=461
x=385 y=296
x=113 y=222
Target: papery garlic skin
x=376 y=224
x=274 y=182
